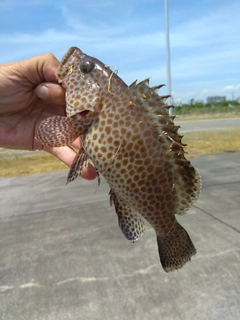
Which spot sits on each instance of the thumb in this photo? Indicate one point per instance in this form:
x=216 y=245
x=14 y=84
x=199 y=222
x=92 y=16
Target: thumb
x=51 y=92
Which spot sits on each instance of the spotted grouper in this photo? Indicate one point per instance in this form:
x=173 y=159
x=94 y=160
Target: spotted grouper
x=131 y=139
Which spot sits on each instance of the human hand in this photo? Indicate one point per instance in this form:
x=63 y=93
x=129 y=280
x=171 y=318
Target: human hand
x=29 y=93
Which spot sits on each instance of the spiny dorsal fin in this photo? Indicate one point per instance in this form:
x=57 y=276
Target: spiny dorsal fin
x=165 y=98
x=156 y=110
x=156 y=88
x=157 y=113
x=144 y=82
x=133 y=84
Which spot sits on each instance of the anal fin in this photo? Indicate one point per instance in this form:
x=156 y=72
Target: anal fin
x=130 y=221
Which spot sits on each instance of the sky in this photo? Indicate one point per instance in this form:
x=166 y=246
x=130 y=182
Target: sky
x=129 y=35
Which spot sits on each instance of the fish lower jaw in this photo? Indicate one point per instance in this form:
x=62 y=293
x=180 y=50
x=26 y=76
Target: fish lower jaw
x=80 y=115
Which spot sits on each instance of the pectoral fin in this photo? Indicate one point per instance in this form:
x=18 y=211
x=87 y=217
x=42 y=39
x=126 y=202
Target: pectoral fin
x=60 y=131
x=129 y=220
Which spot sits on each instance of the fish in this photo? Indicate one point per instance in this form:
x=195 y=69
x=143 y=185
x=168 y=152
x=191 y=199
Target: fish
x=129 y=136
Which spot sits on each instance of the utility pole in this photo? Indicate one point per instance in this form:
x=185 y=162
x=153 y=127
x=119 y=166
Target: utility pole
x=169 y=87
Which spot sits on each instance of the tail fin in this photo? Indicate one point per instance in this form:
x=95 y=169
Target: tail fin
x=175 y=249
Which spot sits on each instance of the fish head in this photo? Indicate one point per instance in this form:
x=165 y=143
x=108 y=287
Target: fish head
x=86 y=81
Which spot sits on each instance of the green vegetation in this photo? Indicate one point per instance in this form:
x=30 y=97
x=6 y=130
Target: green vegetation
x=21 y=166
x=201 y=143
x=214 y=108
x=198 y=143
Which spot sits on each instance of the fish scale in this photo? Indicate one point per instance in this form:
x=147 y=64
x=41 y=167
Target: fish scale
x=131 y=139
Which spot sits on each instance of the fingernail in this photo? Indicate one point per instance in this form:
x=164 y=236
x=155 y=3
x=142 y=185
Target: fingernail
x=42 y=91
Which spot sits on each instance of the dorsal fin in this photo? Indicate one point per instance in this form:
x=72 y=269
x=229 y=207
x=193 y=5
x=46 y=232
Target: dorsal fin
x=156 y=88
x=156 y=110
x=133 y=84
x=144 y=82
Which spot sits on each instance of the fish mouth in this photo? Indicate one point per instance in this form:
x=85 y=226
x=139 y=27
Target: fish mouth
x=81 y=115
x=84 y=113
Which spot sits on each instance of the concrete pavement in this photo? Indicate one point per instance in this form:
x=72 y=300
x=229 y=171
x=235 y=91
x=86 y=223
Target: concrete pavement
x=63 y=257
x=206 y=124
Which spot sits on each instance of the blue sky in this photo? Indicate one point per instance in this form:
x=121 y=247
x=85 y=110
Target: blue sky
x=129 y=35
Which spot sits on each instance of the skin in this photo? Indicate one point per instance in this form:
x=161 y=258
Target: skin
x=30 y=93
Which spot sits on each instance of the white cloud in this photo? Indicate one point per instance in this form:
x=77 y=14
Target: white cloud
x=231 y=88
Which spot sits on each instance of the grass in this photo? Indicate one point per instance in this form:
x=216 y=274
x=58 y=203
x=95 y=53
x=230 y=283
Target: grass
x=209 y=110
x=199 y=143
x=21 y=166
x=180 y=117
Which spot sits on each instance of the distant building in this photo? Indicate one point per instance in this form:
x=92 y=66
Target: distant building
x=192 y=102
x=216 y=99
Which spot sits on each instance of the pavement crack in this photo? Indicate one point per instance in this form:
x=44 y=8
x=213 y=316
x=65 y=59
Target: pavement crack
x=29 y=285
x=22 y=286
x=220 y=253
x=6 y=288
x=81 y=279
x=216 y=218
x=93 y=279
x=139 y=271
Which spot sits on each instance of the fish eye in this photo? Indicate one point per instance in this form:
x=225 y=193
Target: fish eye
x=86 y=67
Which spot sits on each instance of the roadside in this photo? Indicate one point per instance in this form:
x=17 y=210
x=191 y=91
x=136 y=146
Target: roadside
x=208 y=116
x=11 y=154
x=202 y=137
